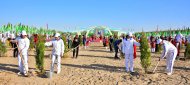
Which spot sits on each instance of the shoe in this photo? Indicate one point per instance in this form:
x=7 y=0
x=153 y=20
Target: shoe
x=19 y=73
x=127 y=71
x=58 y=71
x=25 y=74
x=169 y=73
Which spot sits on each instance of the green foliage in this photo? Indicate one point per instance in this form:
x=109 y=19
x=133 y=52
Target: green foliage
x=40 y=48
x=187 y=51
x=145 y=52
x=32 y=44
x=3 y=49
x=65 y=43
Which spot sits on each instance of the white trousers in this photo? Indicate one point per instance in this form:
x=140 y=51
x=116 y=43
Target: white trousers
x=153 y=49
x=54 y=57
x=129 y=59
x=170 y=58
x=23 y=63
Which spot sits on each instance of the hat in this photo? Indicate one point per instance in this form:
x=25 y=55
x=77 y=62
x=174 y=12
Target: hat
x=159 y=41
x=130 y=34
x=23 y=32
x=57 y=35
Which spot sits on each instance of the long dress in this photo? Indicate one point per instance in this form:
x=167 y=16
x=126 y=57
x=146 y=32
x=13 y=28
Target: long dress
x=135 y=51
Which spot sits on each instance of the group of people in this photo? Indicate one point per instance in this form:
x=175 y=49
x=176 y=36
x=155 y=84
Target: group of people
x=21 y=44
x=126 y=45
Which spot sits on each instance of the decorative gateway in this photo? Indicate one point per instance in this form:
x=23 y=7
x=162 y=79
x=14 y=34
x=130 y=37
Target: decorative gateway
x=98 y=31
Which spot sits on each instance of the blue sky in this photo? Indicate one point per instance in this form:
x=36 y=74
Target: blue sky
x=68 y=15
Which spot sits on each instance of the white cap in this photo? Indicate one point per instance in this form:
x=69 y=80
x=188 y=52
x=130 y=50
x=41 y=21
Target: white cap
x=57 y=35
x=23 y=32
x=130 y=34
x=159 y=41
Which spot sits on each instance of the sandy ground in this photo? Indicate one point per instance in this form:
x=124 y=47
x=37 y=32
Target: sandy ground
x=95 y=66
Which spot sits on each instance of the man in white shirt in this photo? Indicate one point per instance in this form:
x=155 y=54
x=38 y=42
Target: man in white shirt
x=3 y=39
x=170 y=52
x=57 y=52
x=23 y=44
x=128 y=50
x=178 y=40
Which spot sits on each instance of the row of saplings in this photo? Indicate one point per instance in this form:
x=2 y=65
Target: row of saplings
x=40 y=49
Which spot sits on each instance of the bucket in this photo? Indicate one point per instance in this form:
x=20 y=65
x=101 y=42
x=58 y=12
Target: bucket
x=49 y=74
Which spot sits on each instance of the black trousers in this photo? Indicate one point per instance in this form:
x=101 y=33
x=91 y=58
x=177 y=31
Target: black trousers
x=76 y=50
x=116 y=52
x=111 y=48
x=15 y=52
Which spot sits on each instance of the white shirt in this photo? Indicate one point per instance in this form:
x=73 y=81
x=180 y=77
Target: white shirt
x=168 y=47
x=188 y=39
x=58 y=47
x=179 y=37
x=128 y=45
x=3 y=40
x=23 y=45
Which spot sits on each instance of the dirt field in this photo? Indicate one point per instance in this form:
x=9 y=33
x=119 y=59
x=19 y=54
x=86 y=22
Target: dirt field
x=95 y=66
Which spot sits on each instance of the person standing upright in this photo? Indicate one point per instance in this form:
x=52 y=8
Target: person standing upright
x=178 y=42
x=57 y=52
x=111 y=43
x=129 y=42
x=84 y=41
x=75 y=45
x=23 y=44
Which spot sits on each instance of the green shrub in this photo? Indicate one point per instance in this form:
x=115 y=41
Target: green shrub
x=3 y=49
x=40 y=48
x=145 y=53
x=187 y=51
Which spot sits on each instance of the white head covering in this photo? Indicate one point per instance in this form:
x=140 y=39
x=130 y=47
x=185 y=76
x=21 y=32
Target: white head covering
x=23 y=32
x=57 y=35
x=130 y=34
x=159 y=41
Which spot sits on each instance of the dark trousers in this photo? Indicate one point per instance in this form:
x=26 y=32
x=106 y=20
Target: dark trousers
x=111 y=49
x=76 y=50
x=15 y=52
x=156 y=49
x=116 y=52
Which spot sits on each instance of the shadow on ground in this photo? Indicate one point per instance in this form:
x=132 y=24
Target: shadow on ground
x=100 y=67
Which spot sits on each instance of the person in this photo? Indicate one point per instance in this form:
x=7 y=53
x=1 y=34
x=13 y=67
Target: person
x=57 y=52
x=23 y=44
x=129 y=42
x=15 y=51
x=153 y=44
x=84 y=41
x=135 y=49
x=69 y=41
x=75 y=45
x=117 y=47
x=3 y=39
x=178 y=42
x=104 y=41
x=170 y=52
x=111 y=43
